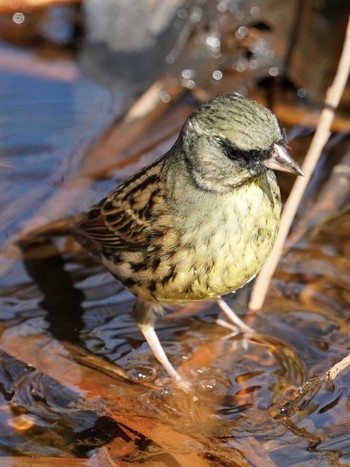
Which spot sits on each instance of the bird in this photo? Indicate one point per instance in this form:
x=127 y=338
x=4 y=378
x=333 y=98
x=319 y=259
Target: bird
x=199 y=222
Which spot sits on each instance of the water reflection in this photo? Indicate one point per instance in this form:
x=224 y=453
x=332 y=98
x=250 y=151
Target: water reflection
x=39 y=416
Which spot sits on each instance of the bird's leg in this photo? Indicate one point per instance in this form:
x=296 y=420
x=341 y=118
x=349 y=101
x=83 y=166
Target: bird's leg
x=158 y=351
x=145 y=317
x=232 y=317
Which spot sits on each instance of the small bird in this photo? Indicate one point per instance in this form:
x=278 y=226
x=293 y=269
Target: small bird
x=201 y=221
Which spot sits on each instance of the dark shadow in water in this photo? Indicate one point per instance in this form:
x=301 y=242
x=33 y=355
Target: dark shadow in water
x=62 y=300
x=72 y=427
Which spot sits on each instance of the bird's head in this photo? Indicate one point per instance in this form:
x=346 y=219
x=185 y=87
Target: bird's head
x=232 y=139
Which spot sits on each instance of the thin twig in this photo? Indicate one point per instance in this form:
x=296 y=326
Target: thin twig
x=333 y=372
x=319 y=140
x=308 y=390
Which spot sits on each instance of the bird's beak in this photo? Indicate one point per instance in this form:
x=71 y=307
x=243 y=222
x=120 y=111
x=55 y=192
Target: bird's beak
x=281 y=160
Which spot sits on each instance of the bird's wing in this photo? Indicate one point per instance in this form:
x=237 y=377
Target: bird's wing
x=103 y=230
x=123 y=220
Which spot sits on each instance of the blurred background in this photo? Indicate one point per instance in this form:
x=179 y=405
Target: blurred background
x=91 y=91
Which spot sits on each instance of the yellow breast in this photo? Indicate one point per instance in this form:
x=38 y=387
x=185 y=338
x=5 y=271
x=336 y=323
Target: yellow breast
x=226 y=245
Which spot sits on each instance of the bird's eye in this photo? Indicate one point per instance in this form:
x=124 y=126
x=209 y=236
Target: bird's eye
x=232 y=153
x=246 y=156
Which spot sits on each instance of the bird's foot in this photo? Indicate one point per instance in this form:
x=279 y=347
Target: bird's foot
x=181 y=383
x=225 y=324
x=158 y=351
x=235 y=323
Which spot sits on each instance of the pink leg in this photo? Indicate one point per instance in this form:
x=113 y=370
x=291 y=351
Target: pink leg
x=158 y=351
x=232 y=317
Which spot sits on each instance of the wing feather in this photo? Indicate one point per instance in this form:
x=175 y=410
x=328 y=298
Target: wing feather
x=123 y=220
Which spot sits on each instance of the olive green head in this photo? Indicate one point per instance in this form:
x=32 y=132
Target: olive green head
x=241 y=122
x=232 y=139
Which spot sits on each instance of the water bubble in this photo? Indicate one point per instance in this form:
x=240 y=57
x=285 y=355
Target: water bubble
x=142 y=373
x=255 y=11
x=164 y=97
x=188 y=83
x=301 y=92
x=208 y=385
x=273 y=71
x=166 y=392
x=18 y=18
x=242 y=32
x=217 y=75
x=214 y=43
x=196 y=14
x=170 y=59
x=241 y=66
x=187 y=73
x=182 y=13
x=221 y=7
x=256 y=48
